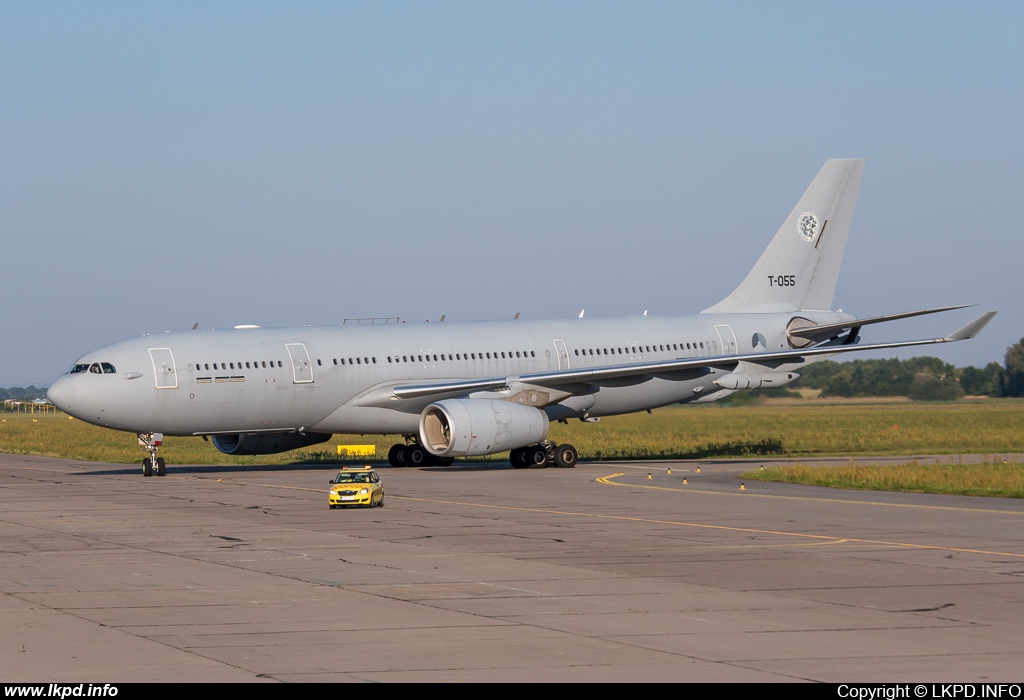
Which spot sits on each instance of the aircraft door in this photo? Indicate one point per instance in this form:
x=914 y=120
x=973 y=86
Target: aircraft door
x=561 y=353
x=726 y=339
x=302 y=368
x=164 y=372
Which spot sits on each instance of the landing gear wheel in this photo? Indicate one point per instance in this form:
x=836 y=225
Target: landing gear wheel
x=147 y=467
x=161 y=467
x=416 y=456
x=566 y=456
x=397 y=456
x=516 y=457
x=444 y=461
x=536 y=457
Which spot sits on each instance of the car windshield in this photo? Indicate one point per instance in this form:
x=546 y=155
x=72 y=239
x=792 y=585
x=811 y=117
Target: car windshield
x=352 y=478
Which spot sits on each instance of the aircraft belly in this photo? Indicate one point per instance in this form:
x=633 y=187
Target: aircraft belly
x=363 y=419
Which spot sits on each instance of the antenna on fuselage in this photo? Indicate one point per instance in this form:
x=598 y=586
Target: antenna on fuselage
x=645 y=312
x=442 y=318
x=581 y=312
x=516 y=317
x=195 y=325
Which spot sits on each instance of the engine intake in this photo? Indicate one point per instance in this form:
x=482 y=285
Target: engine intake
x=473 y=427
x=266 y=443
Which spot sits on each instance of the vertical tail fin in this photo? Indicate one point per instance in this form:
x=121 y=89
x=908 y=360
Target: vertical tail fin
x=800 y=267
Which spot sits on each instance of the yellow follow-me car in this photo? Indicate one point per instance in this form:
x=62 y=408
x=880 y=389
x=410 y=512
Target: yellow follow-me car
x=356 y=487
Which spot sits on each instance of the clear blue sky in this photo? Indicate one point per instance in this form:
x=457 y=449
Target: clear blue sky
x=297 y=163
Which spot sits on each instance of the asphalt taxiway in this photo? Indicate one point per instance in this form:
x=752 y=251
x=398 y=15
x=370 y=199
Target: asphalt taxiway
x=485 y=573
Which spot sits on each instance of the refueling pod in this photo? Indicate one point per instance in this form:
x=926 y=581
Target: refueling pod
x=755 y=380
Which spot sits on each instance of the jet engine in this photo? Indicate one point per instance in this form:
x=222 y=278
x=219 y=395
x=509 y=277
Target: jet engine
x=472 y=427
x=266 y=443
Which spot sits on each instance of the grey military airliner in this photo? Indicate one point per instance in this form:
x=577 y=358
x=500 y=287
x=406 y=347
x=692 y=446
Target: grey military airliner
x=477 y=388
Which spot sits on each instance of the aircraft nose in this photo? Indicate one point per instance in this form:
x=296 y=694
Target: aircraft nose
x=62 y=394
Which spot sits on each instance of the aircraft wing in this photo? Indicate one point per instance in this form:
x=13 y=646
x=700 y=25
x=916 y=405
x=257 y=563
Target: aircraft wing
x=595 y=376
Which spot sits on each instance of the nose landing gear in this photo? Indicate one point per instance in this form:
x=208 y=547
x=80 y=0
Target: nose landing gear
x=151 y=443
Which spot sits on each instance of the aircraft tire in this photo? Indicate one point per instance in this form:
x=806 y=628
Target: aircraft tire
x=147 y=467
x=445 y=461
x=516 y=458
x=536 y=457
x=161 y=467
x=566 y=456
x=397 y=456
x=416 y=456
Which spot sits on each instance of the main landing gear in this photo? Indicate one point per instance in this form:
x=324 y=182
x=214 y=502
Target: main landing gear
x=415 y=455
x=546 y=454
x=151 y=443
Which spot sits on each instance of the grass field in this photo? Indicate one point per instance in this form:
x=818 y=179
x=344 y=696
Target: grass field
x=994 y=478
x=784 y=429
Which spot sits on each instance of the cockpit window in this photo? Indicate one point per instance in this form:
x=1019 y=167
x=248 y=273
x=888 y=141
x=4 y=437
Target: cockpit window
x=94 y=368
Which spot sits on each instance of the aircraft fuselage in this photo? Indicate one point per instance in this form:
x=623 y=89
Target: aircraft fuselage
x=316 y=378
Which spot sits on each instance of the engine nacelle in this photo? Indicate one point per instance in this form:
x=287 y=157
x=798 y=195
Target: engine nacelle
x=266 y=443
x=473 y=427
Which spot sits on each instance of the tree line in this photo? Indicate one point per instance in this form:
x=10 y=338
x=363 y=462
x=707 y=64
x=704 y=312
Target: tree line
x=920 y=378
x=22 y=393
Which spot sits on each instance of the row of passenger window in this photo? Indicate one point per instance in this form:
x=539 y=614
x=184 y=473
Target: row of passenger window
x=354 y=360
x=441 y=357
x=460 y=356
x=107 y=368
x=200 y=366
x=637 y=349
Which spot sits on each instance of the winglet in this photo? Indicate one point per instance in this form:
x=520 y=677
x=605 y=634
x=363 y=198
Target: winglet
x=973 y=328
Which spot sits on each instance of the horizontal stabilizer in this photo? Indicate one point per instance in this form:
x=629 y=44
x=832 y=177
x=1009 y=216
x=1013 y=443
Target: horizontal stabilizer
x=824 y=331
x=973 y=328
